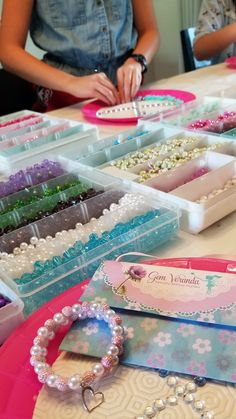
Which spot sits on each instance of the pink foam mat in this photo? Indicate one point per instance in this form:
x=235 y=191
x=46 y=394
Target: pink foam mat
x=19 y=385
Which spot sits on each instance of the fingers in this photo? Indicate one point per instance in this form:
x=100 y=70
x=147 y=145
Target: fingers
x=105 y=90
x=129 y=80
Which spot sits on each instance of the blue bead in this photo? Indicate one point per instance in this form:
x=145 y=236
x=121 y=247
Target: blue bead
x=200 y=381
x=163 y=373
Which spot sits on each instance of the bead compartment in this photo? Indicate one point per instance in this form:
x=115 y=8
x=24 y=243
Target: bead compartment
x=11 y=315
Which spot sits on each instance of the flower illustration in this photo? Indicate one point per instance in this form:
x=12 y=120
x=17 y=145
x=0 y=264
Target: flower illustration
x=135 y=273
x=163 y=339
x=148 y=324
x=186 y=330
x=227 y=337
x=224 y=362
x=180 y=355
x=90 y=328
x=129 y=332
x=197 y=368
x=71 y=336
x=90 y=291
x=202 y=345
x=156 y=360
x=80 y=347
x=206 y=317
x=142 y=346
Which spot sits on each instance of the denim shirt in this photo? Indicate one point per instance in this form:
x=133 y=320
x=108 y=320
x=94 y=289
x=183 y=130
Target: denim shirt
x=214 y=15
x=84 y=36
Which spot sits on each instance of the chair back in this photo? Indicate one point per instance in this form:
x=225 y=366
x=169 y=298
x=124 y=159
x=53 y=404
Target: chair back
x=190 y=62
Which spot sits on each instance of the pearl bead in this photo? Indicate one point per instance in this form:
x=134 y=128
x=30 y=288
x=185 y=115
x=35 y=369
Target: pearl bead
x=172 y=400
x=40 y=366
x=58 y=318
x=180 y=391
x=74 y=382
x=159 y=404
x=23 y=246
x=34 y=240
x=199 y=405
x=51 y=380
x=149 y=412
x=172 y=381
x=113 y=350
x=208 y=415
x=42 y=332
x=189 y=398
x=117 y=330
x=35 y=350
x=98 y=370
x=191 y=387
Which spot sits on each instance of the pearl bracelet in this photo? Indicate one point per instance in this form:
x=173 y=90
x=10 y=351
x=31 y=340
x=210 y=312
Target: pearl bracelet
x=78 y=382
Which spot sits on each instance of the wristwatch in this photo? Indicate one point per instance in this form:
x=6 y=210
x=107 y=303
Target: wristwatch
x=141 y=60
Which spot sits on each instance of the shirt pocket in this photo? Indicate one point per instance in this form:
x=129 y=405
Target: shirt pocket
x=67 y=13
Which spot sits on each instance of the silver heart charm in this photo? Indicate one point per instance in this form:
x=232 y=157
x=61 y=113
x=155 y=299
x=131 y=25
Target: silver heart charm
x=96 y=399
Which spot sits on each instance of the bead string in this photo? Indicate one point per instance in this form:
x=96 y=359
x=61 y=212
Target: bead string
x=77 y=382
x=181 y=392
x=23 y=258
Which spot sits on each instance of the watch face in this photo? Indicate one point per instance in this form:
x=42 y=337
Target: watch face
x=141 y=60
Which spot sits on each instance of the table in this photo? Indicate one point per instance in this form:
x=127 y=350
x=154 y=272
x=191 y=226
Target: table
x=217 y=80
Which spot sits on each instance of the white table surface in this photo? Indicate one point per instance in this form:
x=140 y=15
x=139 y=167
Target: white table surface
x=220 y=238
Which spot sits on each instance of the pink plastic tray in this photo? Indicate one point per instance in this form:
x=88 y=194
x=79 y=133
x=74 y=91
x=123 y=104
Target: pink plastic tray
x=231 y=62
x=91 y=108
x=19 y=385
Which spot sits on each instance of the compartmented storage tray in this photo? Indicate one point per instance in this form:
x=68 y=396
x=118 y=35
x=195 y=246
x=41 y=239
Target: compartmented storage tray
x=11 y=315
x=225 y=153
x=142 y=238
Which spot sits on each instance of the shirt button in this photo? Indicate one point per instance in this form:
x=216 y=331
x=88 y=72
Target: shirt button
x=99 y=2
x=104 y=29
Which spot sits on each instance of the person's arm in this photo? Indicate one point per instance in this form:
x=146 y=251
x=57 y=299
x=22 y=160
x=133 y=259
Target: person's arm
x=16 y=16
x=130 y=74
x=214 y=43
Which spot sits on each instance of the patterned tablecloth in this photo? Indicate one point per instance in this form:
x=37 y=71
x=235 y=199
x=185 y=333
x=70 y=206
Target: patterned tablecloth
x=127 y=392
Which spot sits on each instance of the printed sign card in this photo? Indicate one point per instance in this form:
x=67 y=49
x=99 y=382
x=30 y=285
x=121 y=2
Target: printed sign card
x=190 y=294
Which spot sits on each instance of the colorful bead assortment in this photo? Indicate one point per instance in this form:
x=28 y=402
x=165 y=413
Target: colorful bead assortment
x=32 y=175
x=142 y=156
x=222 y=123
x=175 y=160
x=24 y=118
x=227 y=185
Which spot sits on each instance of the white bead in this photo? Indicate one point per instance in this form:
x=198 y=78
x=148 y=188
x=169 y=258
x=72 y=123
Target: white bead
x=172 y=381
x=51 y=380
x=159 y=405
x=34 y=240
x=180 y=391
x=189 y=398
x=40 y=366
x=74 y=382
x=23 y=246
x=191 y=387
x=16 y=251
x=42 y=332
x=172 y=400
x=98 y=370
x=199 y=405
x=48 y=238
x=35 y=350
x=113 y=350
x=117 y=330
x=208 y=415
x=149 y=412
x=58 y=318
x=109 y=314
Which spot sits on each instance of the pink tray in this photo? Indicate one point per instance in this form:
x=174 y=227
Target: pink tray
x=89 y=110
x=19 y=385
x=231 y=62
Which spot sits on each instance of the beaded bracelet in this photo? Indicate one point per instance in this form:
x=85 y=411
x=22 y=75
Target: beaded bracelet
x=76 y=382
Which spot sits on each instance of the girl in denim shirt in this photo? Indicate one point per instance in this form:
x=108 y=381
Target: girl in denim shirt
x=94 y=48
x=215 y=36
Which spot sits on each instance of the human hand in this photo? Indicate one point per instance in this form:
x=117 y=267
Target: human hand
x=96 y=86
x=129 y=78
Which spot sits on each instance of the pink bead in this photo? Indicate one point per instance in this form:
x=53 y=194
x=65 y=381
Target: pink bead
x=43 y=375
x=105 y=307
x=87 y=378
x=62 y=383
x=40 y=341
x=51 y=325
x=86 y=306
x=117 y=340
x=116 y=320
x=107 y=361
